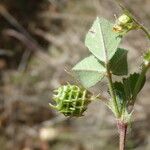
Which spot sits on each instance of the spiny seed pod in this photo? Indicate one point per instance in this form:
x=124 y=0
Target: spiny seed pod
x=124 y=24
x=71 y=100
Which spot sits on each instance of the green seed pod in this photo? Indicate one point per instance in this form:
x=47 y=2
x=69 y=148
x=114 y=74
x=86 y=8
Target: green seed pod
x=71 y=100
x=124 y=24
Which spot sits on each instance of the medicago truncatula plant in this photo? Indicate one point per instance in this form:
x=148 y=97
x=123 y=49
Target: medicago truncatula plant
x=106 y=60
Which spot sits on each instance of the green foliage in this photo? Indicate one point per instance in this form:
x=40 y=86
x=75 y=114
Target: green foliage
x=89 y=71
x=106 y=60
x=101 y=40
x=71 y=100
x=118 y=64
x=124 y=90
x=103 y=43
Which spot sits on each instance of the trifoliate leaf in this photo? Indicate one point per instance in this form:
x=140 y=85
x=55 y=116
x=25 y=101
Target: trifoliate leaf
x=118 y=64
x=101 y=40
x=89 y=71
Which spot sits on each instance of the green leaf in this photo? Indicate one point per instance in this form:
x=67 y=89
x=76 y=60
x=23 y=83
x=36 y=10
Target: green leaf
x=124 y=90
x=119 y=90
x=101 y=40
x=118 y=63
x=89 y=71
x=120 y=95
x=130 y=84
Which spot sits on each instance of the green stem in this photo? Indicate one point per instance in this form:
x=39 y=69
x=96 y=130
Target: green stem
x=112 y=93
x=140 y=81
x=142 y=28
x=146 y=32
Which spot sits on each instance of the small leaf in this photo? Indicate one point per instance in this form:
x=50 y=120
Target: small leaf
x=89 y=71
x=119 y=90
x=101 y=40
x=118 y=64
x=124 y=90
x=130 y=84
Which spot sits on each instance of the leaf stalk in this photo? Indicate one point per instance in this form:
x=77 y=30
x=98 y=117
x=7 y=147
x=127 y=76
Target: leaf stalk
x=111 y=90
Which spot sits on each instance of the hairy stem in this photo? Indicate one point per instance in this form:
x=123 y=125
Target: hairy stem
x=112 y=93
x=143 y=28
x=145 y=31
x=122 y=129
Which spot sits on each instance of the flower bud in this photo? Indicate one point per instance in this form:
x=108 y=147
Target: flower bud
x=71 y=100
x=124 y=19
x=124 y=24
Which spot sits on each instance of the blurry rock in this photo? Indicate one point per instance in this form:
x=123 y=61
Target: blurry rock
x=26 y=148
x=48 y=134
x=30 y=113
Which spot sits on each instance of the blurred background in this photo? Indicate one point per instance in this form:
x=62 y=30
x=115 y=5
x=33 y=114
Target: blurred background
x=39 y=40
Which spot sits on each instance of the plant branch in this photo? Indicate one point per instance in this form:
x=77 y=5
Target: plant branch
x=144 y=30
x=112 y=93
x=110 y=83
